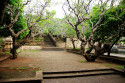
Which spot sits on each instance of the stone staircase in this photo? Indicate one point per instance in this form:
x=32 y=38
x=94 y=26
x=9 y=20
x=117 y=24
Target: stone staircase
x=52 y=49
x=48 y=42
x=49 y=45
x=81 y=73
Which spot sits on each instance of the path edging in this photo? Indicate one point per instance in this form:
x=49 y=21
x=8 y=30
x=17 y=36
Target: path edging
x=4 y=58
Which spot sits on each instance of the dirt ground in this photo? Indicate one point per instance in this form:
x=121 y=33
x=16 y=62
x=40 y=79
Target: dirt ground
x=2 y=54
x=50 y=61
x=54 y=61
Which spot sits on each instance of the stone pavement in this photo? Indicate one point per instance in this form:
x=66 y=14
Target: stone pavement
x=54 y=61
x=50 y=61
x=91 y=79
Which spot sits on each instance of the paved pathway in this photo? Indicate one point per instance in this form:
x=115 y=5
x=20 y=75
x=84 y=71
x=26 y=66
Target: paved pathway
x=91 y=79
x=51 y=61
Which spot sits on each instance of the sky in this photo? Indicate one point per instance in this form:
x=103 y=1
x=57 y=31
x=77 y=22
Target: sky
x=55 y=5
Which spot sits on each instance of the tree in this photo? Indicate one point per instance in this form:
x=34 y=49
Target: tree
x=3 y=4
x=81 y=11
x=70 y=33
x=113 y=18
x=42 y=25
x=15 y=12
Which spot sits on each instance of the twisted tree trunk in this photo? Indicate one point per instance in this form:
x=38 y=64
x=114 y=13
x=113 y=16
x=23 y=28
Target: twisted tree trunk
x=16 y=46
x=13 y=50
x=109 y=51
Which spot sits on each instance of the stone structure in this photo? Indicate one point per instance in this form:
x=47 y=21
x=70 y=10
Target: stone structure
x=61 y=44
x=7 y=43
x=26 y=47
x=69 y=43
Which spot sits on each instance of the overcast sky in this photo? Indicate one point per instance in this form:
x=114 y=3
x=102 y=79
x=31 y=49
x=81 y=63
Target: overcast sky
x=55 y=5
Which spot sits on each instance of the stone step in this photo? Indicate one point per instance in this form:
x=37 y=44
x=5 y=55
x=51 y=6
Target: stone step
x=52 y=48
x=69 y=74
x=4 y=58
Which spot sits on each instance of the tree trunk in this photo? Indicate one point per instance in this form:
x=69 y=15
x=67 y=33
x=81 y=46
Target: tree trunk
x=90 y=57
x=109 y=51
x=2 y=8
x=89 y=50
x=83 y=47
x=13 y=50
x=73 y=43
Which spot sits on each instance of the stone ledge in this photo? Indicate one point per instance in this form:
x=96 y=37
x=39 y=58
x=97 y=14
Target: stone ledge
x=4 y=58
x=37 y=79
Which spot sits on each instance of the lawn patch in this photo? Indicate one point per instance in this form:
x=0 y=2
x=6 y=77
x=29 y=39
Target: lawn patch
x=82 y=61
x=108 y=65
x=119 y=67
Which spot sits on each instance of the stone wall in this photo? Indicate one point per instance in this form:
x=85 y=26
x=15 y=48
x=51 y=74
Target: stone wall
x=30 y=48
x=61 y=44
x=69 y=43
x=77 y=44
x=7 y=45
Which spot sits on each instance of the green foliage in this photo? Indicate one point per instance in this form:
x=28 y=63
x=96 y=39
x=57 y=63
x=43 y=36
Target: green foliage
x=20 y=23
x=14 y=2
x=95 y=14
x=112 y=19
x=39 y=39
x=1 y=41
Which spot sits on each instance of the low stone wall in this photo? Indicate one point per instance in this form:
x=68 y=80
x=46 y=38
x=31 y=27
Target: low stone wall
x=61 y=44
x=38 y=78
x=69 y=43
x=77 y=44
x=30 y=48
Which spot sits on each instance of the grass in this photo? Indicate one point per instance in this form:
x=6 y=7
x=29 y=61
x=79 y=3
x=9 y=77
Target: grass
x=82 y=61
x=11 y=68
x=109 y=65
x=20 y=68
x=5 y=76
x=36 y=70
x=7 y=52
x=115 y=66
x=86 y=48
x=78 y=48
x=32 y=50
x=18 y=50
x=120 y=67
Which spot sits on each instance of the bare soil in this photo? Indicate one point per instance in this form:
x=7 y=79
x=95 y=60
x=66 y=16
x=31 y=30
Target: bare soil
x=48 y=61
